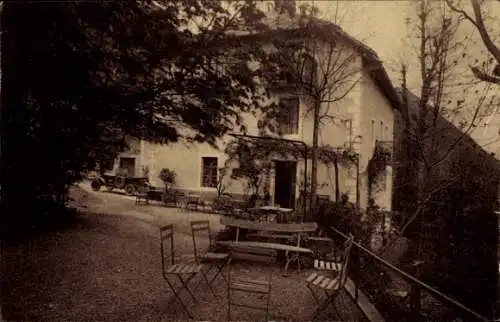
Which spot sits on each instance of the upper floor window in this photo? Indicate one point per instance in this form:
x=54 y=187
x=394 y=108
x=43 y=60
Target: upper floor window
x=107 y=164
x=209 y=172
x=381 y=131
x=308 y=69
x=387 y=137
x=348 y=130
x=288 y=115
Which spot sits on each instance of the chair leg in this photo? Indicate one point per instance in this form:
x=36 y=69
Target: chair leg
x=323 y=306
x=228 y=304
x=267 y=305
x=219 y=271
x=177 y=295
x=316 y=298
x=185 y=284
x=205 y=277
x=288 y=260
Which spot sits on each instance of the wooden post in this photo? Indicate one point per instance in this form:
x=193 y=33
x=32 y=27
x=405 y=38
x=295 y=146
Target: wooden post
x=415 y=293
x=356 y=271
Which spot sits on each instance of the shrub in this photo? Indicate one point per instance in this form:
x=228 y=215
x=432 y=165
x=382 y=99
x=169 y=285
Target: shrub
x=168 y=177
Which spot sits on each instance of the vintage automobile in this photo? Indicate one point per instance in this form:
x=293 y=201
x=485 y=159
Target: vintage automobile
x=129 y=184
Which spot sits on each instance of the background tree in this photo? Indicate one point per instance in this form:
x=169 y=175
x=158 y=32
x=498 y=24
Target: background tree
x=442 y=95
x=313 y=60
x=439 y=163
x=489 y=70
x=78 y=77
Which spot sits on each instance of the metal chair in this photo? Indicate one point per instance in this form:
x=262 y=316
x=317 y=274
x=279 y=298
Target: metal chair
x=192 y=201
x=330 y=285
x=207 y=255
x=243 y=283
x=184 y=272
x=142 y=195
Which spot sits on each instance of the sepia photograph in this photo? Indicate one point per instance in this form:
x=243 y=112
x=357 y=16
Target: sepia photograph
x=250 y=160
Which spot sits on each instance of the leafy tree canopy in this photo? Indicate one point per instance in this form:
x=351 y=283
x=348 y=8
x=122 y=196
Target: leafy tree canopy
x=79 y=76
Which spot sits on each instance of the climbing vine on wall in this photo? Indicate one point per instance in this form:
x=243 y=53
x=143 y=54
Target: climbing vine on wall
x=381 y=157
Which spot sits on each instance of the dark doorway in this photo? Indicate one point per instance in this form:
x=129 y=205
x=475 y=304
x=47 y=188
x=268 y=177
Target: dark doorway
x=284 y=183
x=129 y=165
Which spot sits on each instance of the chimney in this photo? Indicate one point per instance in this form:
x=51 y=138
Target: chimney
x=285 y=7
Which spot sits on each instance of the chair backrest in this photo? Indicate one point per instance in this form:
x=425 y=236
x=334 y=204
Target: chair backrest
x=199 y=227
x=143 y=188
x=250 y=256
x=253 y=254
x=167 y=244
x=346 y=260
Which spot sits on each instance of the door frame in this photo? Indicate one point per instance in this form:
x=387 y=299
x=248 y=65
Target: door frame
x=293 y=178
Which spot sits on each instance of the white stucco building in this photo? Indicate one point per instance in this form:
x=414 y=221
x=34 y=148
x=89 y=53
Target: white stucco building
x=364 y=117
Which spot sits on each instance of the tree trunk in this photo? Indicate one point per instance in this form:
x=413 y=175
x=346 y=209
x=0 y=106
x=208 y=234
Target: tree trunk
x=337 y=189
x=314 y=154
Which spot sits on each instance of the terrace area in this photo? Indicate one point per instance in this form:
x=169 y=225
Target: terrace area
x=105 y=265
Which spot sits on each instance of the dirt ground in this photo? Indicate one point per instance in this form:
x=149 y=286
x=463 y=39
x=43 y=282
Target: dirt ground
x=106 y=267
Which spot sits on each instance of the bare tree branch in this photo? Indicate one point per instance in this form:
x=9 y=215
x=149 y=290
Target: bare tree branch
x=478 y=22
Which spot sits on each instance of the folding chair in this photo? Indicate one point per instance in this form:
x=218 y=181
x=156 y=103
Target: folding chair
x=142 y=195
x=243 y=283
x=184 y=272
x=192 y=202
x=207 y=255
x=330 y=285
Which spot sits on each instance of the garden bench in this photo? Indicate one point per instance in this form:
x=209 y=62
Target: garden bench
x=286 y=232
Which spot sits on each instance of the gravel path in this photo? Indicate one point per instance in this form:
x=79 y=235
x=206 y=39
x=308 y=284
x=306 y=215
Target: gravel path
x=106 y=267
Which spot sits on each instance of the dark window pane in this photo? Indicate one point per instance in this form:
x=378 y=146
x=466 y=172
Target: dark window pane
x=288 y=116
x=209 y=172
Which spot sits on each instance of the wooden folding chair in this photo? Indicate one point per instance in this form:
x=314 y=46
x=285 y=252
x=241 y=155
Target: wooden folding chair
x=142 y=195
x=207 y=254
x=184 y=272
x=243 y=283
x=330 y=285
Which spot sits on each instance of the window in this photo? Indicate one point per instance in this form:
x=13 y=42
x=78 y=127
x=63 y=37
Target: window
x=108 y=164
x=381 y=133
x=209 y=172
x=387 y=137
x=348 y=130
x=308 y=73
x=288 y=116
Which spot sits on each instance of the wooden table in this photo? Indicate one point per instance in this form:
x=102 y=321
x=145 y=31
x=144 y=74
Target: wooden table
x=295 y=250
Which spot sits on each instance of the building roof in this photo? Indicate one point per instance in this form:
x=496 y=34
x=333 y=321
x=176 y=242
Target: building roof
x=450 y=131
x=273 y=23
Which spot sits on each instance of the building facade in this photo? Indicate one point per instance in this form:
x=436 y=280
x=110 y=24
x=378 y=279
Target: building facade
x=363 y=118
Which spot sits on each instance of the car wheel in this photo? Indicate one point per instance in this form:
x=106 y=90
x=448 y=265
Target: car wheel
x=130 y=189
x=95 y=185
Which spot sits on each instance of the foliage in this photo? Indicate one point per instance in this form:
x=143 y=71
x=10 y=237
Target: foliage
x=443 y=114
x=145 y=172
x=254 y=158
x=116 y=68
x=438 y=174
x=168 y=177
x=380 y=159
x=222 y=185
